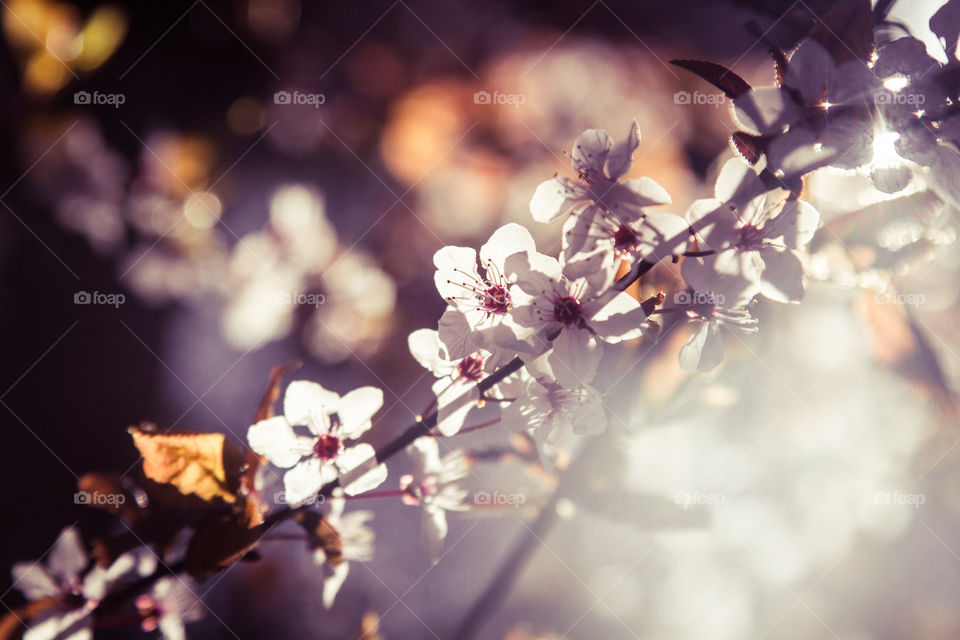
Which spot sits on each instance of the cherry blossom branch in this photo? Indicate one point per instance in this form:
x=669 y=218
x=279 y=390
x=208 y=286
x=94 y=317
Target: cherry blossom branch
x=510 y=570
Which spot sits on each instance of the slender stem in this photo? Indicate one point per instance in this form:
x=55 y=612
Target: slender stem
x=388 y=493
x=120 y=620
x=285 y=537
x=477 y=427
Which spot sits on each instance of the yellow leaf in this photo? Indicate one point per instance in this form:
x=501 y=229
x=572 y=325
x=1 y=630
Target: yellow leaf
x=191 y=462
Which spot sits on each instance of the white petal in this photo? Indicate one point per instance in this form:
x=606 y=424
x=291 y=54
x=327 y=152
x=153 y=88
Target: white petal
x=275 y=439
x=303 y=482
x=455 y=331
x=33 y=581
x=357 y=408
x=590 y=152
x=796 y=153
x=766 y=110
x=456 y=266
x=68 y=558
x=505 y=241
x=304 y=398
x=810 y=71
x=621 y=318
x=620 y=158
x=575 y=357
x=704 y=351
x=451 y=411
x=535 y=272
x=360 y=469
x=426 y=454
x=333 y=582
x=796 y=223
x=434 y=531
x=426 y=348
x=665 y=226
x=554 y=198
x=645 y=192
x=737 y=182
x=782 y=278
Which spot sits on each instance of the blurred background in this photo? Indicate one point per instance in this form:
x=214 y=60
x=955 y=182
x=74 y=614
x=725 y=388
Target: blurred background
x=193 y=193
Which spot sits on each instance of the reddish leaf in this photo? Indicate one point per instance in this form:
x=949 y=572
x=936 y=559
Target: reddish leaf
x=747 y=146
x=732 y=85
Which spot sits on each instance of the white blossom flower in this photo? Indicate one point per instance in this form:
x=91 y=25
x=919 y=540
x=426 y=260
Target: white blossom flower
x=585 y=236
x=59 y=578
x=139 y=563
x=433 y=485
x=549 y=411
x=824 y=108
x=455 y=376
x=479 y=293
x=754 y=244
x=171 y=603
x=704 y=350
x=355 y=540
x=599 y=165
x=583 y=312
x=313 y=461
x=60 y=575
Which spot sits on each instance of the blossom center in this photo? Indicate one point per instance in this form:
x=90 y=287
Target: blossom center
x=495 y=299
x=327 y=447
x=567 y=311
x=470 y=368
x=751 y=238
x=624 y=239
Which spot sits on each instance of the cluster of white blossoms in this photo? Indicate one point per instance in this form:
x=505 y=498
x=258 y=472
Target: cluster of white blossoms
x=76 y=590
x=539 y=324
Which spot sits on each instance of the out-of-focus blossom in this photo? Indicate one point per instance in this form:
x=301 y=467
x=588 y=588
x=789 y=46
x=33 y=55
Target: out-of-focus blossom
x=355 y=543
x=549 y=410
x=433 y=486
x=171 y=603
